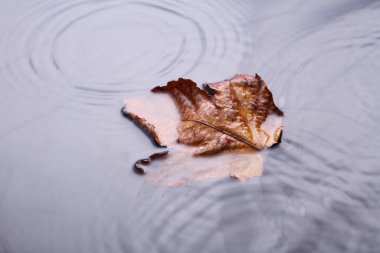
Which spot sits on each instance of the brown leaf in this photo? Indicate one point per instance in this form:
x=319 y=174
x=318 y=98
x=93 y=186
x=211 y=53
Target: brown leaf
x=146 y=126
x=235 y=116
x=229 y=119
x=138 y=165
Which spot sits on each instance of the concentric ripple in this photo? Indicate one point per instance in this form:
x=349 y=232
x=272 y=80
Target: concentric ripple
x=69 y=64
x=81 y=54
x=115 y=46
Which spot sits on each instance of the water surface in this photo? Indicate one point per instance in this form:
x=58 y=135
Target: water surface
x=66 y=183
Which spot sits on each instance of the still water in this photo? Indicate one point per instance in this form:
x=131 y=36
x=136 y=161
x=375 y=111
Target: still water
x=66 y=184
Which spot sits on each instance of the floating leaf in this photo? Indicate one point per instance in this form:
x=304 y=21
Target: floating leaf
x=237 y=116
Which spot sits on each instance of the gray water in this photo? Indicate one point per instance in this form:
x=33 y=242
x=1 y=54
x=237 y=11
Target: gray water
x=66 y=183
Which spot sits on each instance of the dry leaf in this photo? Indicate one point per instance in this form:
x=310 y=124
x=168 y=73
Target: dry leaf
x=232 y=116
